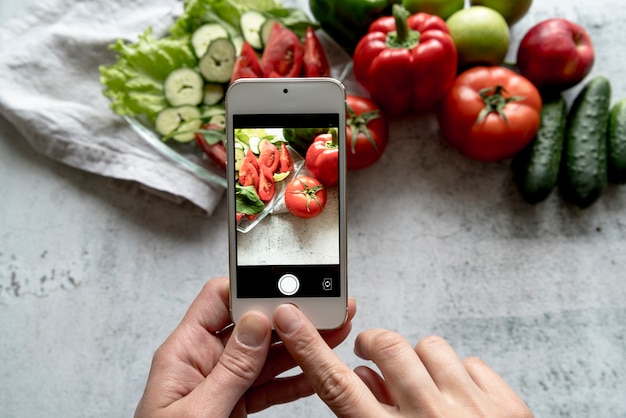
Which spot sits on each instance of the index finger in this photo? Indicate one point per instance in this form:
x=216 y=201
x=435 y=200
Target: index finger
x=335 y=383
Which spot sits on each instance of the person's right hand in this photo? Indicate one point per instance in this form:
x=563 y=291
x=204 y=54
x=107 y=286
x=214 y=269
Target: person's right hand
x=426 y=381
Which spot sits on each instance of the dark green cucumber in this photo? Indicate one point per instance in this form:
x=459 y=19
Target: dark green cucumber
x=536 y=167
x=616 y=144
x=584 y=171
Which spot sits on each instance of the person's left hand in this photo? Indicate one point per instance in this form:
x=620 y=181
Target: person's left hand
x=209 y=368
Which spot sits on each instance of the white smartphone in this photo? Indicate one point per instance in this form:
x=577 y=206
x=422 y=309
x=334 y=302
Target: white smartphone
x=287 y=218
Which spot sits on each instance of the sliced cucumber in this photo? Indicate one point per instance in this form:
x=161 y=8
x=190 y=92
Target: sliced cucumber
x=213 y=110
x=213 y=93
x=218 y=120
x=251 y=23
x=217 y=64
x=240 y=153
x=266 y=30
x=204 y=35
x=183 y=86
x=179 y=123
x=254 y=144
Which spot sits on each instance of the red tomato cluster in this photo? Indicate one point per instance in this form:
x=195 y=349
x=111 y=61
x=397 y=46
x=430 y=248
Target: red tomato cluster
x=283 y=56
x=305 y=196
x=259 y=172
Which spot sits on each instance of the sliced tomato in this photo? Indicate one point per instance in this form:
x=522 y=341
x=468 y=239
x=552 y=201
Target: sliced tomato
x=267 y=187
x=315 y=61
x=269 y=156
x=247 y=64
x=215 y=151
x=282 y=56
x=285 y=160
x=251 y=158
x=248 y=175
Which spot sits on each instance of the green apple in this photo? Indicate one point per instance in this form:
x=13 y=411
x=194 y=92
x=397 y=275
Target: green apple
x=480 y=34
x=512 y=10
x=441 y=8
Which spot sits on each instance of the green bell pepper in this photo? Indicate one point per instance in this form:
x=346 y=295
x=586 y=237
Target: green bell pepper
x=347 y=21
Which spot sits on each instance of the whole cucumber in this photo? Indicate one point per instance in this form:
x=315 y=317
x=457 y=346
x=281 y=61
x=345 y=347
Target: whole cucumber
x=584 y=171
x=617 y=143
x=536 y=167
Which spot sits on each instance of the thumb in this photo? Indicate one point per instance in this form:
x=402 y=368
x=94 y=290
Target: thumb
x=237 y=368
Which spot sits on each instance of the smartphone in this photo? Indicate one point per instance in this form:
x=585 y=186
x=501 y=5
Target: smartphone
x=287 y=244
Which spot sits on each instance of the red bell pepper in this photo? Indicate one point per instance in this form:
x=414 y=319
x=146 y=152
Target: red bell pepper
x=406 y=62
x=322 y=159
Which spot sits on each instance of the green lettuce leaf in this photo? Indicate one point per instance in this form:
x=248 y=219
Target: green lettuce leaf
x=247 y=200
x=134 y=84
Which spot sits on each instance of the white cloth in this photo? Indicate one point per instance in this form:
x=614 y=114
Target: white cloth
x=50 y=91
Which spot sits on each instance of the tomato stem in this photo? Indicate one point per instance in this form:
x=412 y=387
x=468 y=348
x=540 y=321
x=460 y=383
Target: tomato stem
x=311 y=194
x=495 y=102
x=358 y=124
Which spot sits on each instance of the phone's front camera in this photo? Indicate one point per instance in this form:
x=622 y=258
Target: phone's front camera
x=285 y=91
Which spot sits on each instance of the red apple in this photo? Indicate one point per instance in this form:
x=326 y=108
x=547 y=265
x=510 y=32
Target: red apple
x=555 y=54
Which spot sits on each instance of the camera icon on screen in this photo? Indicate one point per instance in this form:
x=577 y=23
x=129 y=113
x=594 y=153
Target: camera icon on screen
x=327 y=284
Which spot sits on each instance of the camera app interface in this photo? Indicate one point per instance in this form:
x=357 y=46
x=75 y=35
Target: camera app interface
x=287 y=206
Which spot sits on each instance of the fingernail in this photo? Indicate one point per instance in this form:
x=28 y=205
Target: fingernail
x=252 y=330
x=287 y=318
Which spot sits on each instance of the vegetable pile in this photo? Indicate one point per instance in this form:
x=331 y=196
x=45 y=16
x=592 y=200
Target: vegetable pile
x=412 y=57
x=176 y=83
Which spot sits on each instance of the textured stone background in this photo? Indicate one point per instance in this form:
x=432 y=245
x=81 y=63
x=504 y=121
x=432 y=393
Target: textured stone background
x=93 y=278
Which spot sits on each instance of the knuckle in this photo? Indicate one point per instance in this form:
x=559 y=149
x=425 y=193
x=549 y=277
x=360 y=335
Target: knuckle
x=240 y=365
x=473 y=361
x=389 y=343
x=431 y=342
x=336 y=387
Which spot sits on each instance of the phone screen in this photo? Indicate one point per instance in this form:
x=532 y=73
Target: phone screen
x=280 y=254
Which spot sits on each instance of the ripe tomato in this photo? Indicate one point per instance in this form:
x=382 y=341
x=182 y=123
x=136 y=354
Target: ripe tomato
x=305 y=197
x=314 y=58
x=251 y=158
x=212 y=148
x=282 y=56
x=267 y=186
x=269 y=156
x=248 y=175
x=367 y=132
x=322 y=159
x=490 y=113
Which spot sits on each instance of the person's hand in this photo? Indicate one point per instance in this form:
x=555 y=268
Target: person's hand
x=426 y=381
x=208 y=368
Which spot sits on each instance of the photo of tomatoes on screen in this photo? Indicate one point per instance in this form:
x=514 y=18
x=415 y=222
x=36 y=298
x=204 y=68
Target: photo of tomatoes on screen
x=286 y=195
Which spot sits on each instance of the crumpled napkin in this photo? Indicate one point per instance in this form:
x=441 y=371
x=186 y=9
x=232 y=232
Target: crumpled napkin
x=50 y=91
